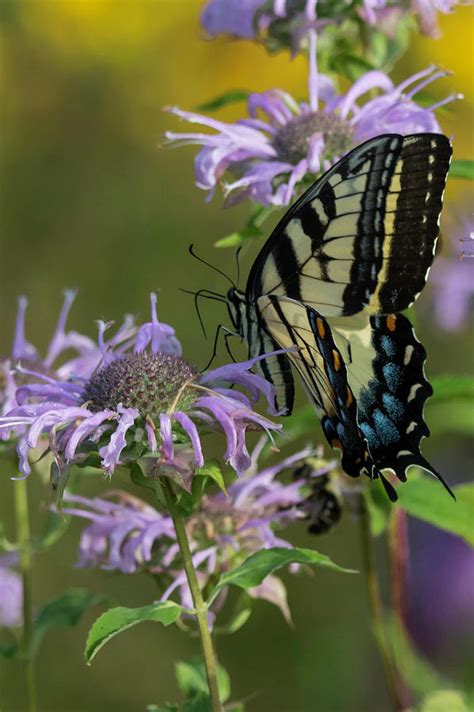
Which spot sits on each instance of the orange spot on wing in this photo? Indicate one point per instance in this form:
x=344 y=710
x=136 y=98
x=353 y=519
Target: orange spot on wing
x=391 y=322
x=320 y=327
x=350 y=398
x=336 y=360
x=336 y=444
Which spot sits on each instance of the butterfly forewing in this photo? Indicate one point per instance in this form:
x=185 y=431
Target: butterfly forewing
x=364 y=235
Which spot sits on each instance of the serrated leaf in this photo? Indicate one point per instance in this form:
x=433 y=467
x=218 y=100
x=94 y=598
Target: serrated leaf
x=444 y=701
x=462 y=168
x=427 y=499
x=64 y=611
x=192 y=680
x=259 y=565
x=116 y=620
x=229 y=97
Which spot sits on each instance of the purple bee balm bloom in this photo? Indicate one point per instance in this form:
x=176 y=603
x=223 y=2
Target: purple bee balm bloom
x=451 y=278
x=11 y=593
x=283 y=142
x=25 y=357
x=427 y=10
x=230 y=17
x=128 y=535
x=278 y=23
x=144 y=403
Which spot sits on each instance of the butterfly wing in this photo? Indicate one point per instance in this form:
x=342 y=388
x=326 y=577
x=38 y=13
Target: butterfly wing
x=385 y=369
x=363 y=236
x=319 y=362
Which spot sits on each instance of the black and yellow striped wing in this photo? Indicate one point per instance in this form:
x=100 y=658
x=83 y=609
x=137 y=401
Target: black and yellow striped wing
x=364 y=235
x=365 y=376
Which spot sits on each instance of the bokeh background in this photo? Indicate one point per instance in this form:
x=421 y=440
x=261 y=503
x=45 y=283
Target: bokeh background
x=90 y=200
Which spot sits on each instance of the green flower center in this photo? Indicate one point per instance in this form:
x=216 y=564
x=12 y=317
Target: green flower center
x=292 y=141
x=151 y=383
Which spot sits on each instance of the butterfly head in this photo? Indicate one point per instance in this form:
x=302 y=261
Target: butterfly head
x=236 y=304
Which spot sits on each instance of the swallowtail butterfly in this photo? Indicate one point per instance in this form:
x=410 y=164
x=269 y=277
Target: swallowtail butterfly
x=329 y=285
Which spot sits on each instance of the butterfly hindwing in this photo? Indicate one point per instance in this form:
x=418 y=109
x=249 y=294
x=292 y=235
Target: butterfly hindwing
x=363 y=236
x=314 y=354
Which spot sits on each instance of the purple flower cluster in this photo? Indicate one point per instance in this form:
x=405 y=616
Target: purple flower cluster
x=129 y=535
x=252 y=19
x=284 y=141
x=141 y=400
x=24 y=362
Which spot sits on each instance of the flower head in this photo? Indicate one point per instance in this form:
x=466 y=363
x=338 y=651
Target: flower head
x=284 y=142
x=24 y=358
x=11 y=593
x=142 y=403
x=127 y=534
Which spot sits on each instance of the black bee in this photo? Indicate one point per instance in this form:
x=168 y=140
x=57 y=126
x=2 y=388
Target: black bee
x=322 y=508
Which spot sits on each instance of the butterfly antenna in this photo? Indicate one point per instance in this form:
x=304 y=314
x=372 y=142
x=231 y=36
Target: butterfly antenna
x=214 y=350
x=208 y=264
x=237 y=260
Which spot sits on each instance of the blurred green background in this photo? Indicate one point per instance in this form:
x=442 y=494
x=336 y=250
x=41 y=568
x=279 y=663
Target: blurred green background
x=89 y=200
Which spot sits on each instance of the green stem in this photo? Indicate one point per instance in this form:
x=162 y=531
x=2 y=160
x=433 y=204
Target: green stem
x=376 y=610
x=24 y=543
x=200 y=607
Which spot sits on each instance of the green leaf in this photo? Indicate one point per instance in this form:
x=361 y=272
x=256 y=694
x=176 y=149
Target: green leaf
x=350 y=65
x=192 y=679
x=462 y=168
x=450 y=386
x=169 y=707
x=59 y=480
x=212 y=469
x=229 y=97
x=64 y=611
x=259 y=565
x=55 y=526
x=239 y=617
x=116 y=620
x=427 y=499
x=444 y=701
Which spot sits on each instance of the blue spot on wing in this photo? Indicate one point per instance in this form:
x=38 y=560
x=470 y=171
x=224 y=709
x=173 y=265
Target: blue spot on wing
x=388 y=345
x=393 y=375
x=370 y=434
x=386 y=430
x=393 y=406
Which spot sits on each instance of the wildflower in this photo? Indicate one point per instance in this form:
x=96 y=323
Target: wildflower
x=126 y=534
x=426 y=11
x=11 y=593
x=270 y=157
x=277 y=24
x=452 y=279
x=142 y=403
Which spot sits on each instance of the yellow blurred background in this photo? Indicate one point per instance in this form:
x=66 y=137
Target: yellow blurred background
x=90 y=200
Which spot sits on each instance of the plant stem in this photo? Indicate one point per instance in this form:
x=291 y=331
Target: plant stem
x=199 y=605
x=376 y=610
x=24 y=543
x=398 y=558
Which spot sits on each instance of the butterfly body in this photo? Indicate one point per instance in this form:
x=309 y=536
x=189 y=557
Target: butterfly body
x=328 y=286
